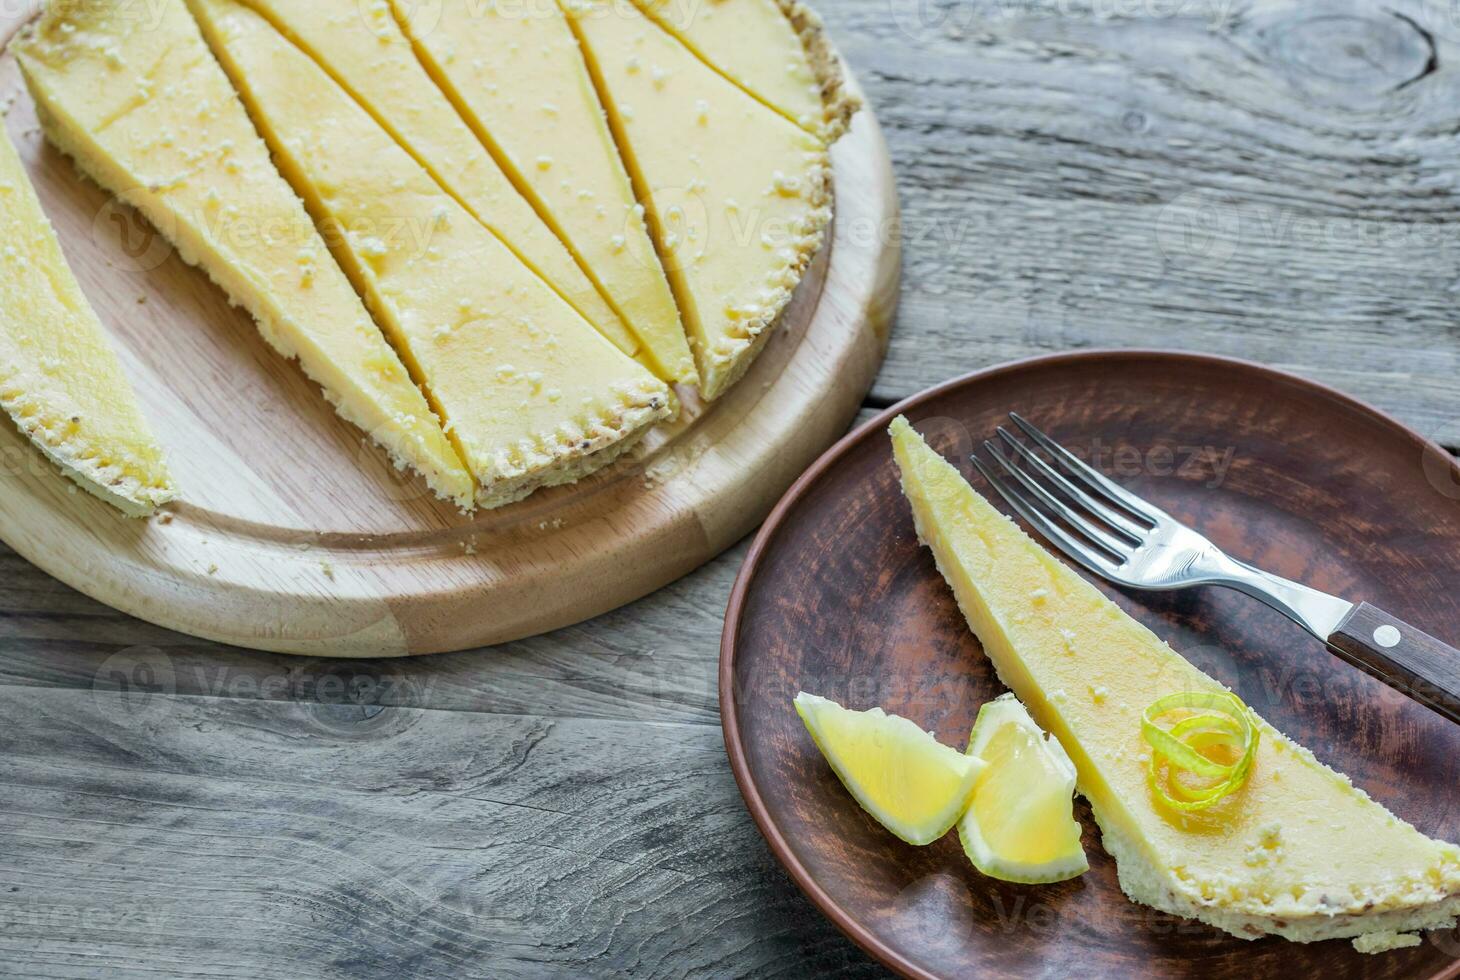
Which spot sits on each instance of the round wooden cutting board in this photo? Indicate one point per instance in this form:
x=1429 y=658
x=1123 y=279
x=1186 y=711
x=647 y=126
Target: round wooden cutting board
x=293 y=534
x=838 y=598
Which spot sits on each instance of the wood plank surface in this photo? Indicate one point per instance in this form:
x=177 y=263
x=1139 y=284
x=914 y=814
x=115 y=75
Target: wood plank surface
x=1272 y=180
x=562 y=806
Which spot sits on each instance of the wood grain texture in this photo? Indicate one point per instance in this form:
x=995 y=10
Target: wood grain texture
x=1403 y=656
x=838 y=598
x=311 y=849
x=1259 y=178
x=1036 y=143
x=294 y=535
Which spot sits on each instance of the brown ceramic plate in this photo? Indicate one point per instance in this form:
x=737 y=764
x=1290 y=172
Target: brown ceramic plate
x=837 y=598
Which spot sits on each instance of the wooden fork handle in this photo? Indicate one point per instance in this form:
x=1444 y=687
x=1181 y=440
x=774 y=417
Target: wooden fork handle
x=1405 y=658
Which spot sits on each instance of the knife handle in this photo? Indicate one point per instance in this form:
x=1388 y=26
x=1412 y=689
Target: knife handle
x=1405 y=658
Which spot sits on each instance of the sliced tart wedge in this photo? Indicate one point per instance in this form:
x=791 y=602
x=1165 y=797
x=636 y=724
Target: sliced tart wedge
x=60 y=380
x=515 y=74
x=362 y=47
x=911 y=783
x=531 y=394
x=774 y=49
x=145 y=111
x=1297 y=850
x=738 y=197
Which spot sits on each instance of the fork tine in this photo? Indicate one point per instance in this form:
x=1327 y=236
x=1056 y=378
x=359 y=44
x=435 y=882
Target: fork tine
x=1092 y=477
x=1066 y=513
x=1122 y=525
x=1066 y=542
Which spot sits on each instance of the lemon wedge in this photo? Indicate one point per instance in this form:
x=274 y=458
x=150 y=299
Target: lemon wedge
x=913 y=785
x=1021 y=826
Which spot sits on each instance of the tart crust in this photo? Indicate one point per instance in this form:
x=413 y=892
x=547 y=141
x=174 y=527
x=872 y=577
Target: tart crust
x=80 y=460
x=739 y=348
x=838 y=101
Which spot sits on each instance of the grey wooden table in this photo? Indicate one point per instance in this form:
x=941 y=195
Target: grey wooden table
x=1276 y=180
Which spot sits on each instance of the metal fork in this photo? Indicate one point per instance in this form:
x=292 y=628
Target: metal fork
x=1130 y=541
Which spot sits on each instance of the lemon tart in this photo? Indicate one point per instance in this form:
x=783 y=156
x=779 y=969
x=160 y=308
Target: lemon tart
x=1297 y=850
x=776 y=50
x=60 y=380
x=145 y=111
x=515 y=74
x=361 y=46
x=530 y=393
x=735 y=230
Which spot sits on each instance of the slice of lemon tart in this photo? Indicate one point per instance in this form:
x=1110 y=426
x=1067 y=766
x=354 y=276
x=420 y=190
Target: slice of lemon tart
x=738 y=196
x=774 y=49
x=60 y=380
x=1297 y=850
x=532 y=395
x=515 y=74
x=363 y=49
x=145 y=111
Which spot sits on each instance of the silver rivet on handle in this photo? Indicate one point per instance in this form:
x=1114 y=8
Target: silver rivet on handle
x=1387 y=637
